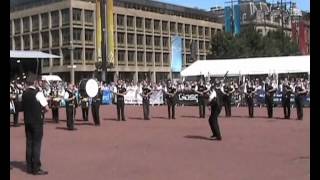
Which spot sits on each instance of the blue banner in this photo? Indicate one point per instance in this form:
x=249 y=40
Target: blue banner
x=176 y=50
x=106 y=97
x=228 y=19
x=236 y=18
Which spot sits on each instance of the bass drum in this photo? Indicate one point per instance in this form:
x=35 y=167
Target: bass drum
x=88 y=87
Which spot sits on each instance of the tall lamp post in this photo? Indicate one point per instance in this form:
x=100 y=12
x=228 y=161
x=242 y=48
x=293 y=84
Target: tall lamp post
x=72 y=63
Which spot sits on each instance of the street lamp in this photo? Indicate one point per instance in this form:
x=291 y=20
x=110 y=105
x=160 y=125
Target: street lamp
x=72 y=63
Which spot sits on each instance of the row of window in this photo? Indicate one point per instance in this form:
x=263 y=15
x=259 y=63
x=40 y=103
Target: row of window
x=149 y=40
x=55 y=20
x=147 y=24
x=77 y=36
x=140 y=56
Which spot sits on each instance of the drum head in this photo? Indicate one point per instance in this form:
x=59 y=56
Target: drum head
x=92 y=88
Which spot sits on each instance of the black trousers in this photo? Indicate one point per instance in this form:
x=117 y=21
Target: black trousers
x=16 y=114
x=202 y=107
x=250 y=106
x=85 y=112
x=70 y=110
x=55 y=114
x=227 y=105
x=269 y=103
x=286 y=107
x=213 y=121
x=145 y=104
x=299 y=106
x=120 y=109
x=171 y=108
x=95 y=108
x=34 y=134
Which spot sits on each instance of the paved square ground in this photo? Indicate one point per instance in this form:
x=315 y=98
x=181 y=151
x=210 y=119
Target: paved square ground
x=163 y=149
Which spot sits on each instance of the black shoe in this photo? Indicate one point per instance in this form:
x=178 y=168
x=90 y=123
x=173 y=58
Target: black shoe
x=97 y=124
x=173 y=118
x=16 y=125
x=40 y=172
x=212 y=136
x=72 y=129
x=124 y=120
x=217 y=138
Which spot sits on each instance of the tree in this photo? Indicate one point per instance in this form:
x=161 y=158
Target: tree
x=250 y=43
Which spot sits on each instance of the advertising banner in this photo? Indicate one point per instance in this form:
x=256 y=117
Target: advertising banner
x=176 y=51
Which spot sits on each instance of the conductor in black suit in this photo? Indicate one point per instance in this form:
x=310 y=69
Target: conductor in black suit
x=34 y=103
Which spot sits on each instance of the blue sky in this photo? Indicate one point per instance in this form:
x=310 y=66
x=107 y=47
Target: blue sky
x=206 y=4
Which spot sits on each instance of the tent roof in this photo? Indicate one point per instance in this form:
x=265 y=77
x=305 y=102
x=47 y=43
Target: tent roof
x=31 y=54
x=249 y=66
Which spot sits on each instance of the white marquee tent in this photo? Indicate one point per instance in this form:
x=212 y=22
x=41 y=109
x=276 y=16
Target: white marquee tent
x=31 y=55
x=249 y=66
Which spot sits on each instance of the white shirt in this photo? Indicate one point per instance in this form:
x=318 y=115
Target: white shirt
x=40 y=97
x=212 y=95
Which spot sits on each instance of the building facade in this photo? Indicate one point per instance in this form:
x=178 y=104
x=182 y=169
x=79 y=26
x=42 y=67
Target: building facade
x=143 y=32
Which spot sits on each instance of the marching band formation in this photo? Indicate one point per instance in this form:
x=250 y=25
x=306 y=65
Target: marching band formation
x=215 y=94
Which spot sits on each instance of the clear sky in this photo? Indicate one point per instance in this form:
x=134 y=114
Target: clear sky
x=207 y=4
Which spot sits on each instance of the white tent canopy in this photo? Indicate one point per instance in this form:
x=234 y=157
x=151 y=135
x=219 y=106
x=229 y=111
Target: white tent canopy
x=51 y=78
x=249 y=66
x=31 y=54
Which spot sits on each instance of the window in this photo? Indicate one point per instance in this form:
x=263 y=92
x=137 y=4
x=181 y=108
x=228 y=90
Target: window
x=130 y=21
x=206 y=31
x=157 y=57
x=76 y=14
x=35 y=41
x=26 y=24
x=17 y=43
x=77 y=34
x=130 y=38
x=187 y=29
x=149 y=57
x=140 y=39
x=139 y=22
x=45 y=39
x=45 y=21
x=148 y=24
x=157 y=41
x=77 y=54
x=55 y=37
x=89 y=54
x=200 y=29
x=180 y=28
x=140 y=56
x=212 y=31
x=130 y=56
x=56 y=61
x=120 y=20
x=165 y=42
x=89 y=35
x=188 y=58
x=194 y=30
x=55 y=18
x=156 y=25
x=172 y=26
x=35 y=23
x=26 y=42
x=165 y=58
x=149 y=40
x=88 y=16
x=65 y=35
x=121 y=54
x=17 y=26
x=187 y=45
x=65 y=13
x=164 y=25
x=120 y=38
x=66 y=56
x=207 y=45
x=201 y=45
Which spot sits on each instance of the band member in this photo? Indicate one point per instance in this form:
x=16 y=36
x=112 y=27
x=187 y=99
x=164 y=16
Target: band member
x=34 y=103
x=250 y=91
x=17 y=100
x=215 y=106
x=202 y=91
x=170 y=96
x=84 y=101
x=227 y=91
x=121 y=92
x=146 y=92
x=55 y=103
x=95 y=107
x=286 y=94
x=300 y=92
x=70 y=99
x=270 y=89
